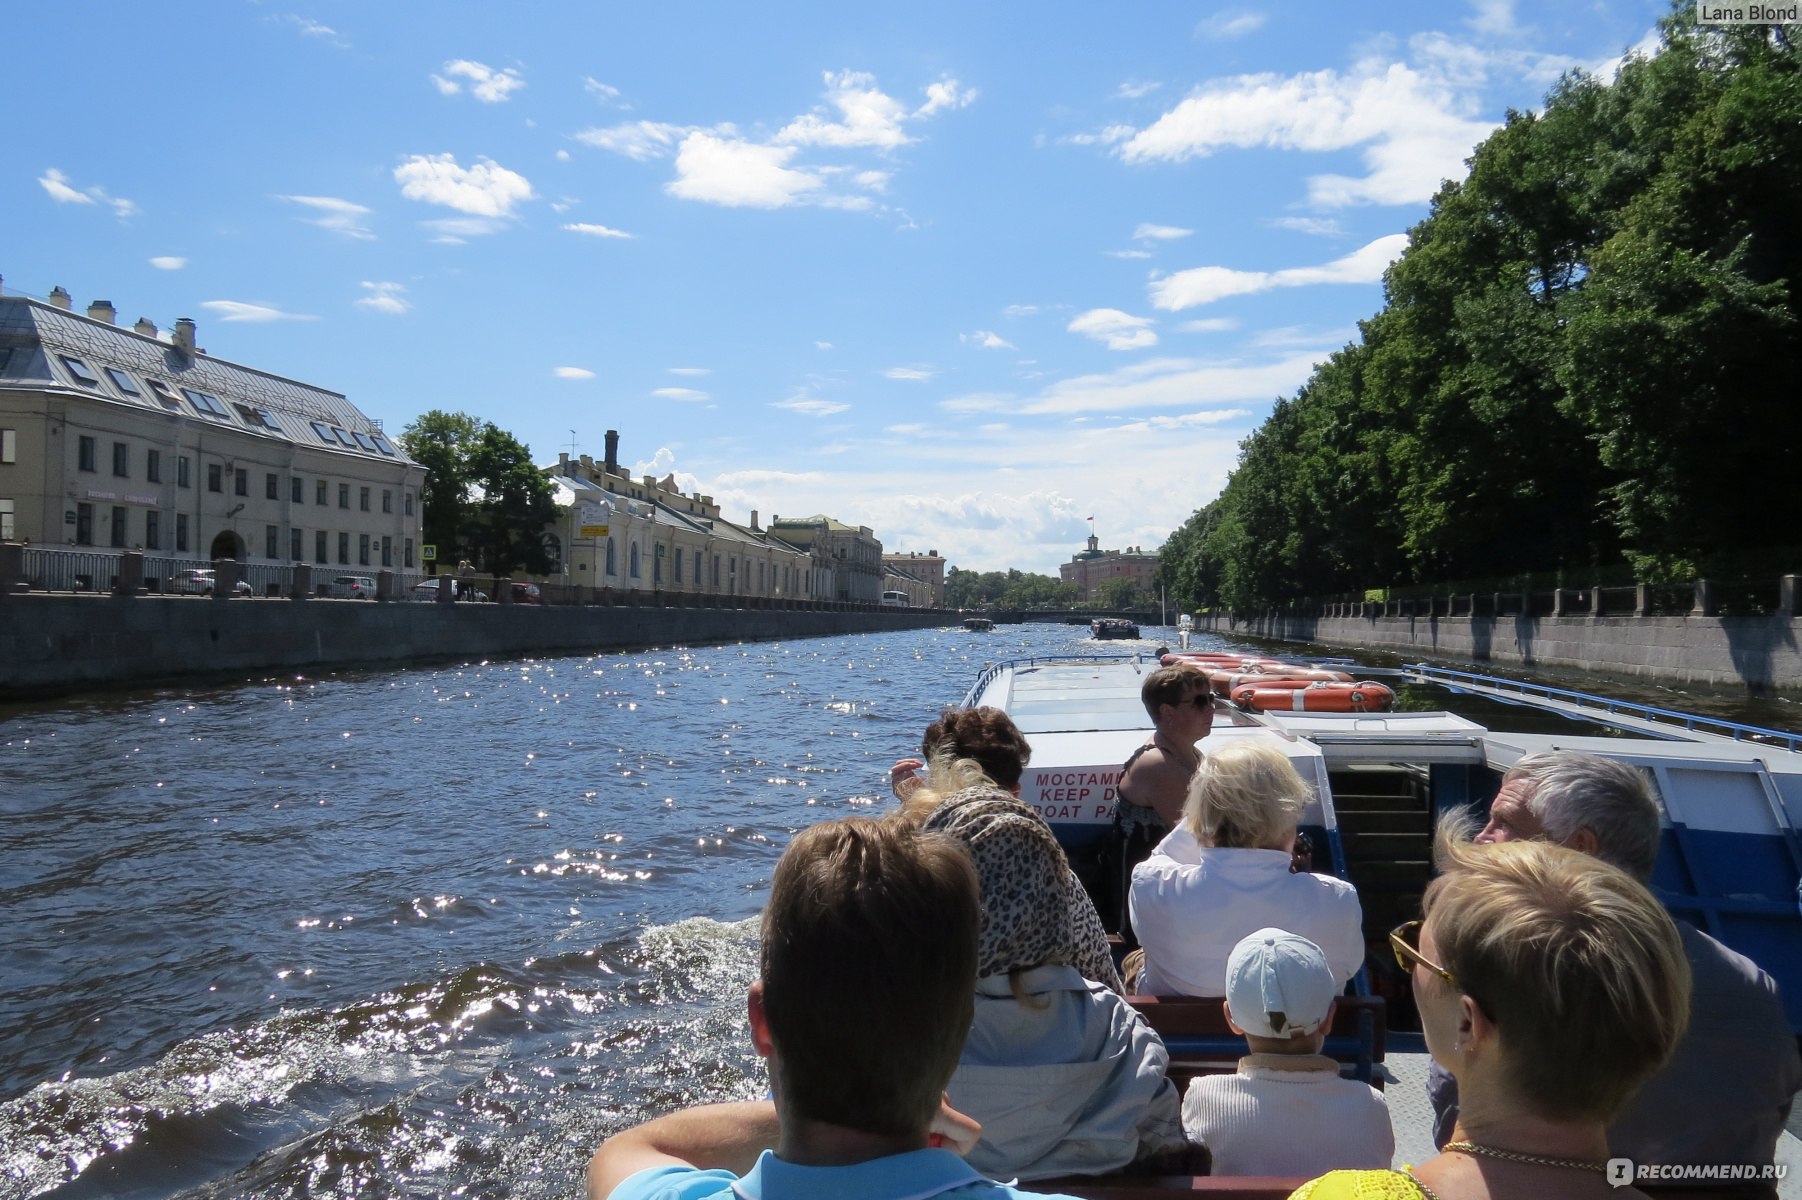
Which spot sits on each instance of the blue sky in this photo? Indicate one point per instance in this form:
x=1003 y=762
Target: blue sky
x=967 y=274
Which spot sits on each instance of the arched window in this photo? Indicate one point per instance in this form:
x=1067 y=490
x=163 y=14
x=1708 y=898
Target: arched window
x=610 y=569
x=634 y=560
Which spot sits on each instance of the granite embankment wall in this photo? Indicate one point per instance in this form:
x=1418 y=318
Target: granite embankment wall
x=1759 y=653
x=57 y=644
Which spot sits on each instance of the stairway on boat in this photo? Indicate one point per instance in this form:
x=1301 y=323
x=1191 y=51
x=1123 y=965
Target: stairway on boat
x=1386 y=829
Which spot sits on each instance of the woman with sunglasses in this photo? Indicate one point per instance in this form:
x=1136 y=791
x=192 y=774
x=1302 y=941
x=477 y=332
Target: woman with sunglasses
x=1551 y=985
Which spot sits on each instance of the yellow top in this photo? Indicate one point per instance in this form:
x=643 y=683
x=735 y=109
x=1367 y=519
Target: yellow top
x=1363 y=1185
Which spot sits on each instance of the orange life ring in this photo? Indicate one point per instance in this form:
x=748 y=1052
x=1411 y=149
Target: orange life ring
x=1277 y=695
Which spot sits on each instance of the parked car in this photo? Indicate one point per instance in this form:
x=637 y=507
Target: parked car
x=351 y=587
x=526 y=593
x=200 y=583
x=426 y=591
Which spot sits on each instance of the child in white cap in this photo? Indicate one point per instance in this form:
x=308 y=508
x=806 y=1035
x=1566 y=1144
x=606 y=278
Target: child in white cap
x=1285 y=1111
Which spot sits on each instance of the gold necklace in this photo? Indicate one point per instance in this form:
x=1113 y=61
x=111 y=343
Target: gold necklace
x=1569 y=1164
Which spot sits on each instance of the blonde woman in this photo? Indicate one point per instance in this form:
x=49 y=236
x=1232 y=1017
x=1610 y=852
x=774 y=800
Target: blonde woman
x=1551 y=985
x=1225 y=872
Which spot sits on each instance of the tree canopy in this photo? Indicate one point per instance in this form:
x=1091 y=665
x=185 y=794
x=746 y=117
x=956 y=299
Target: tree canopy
x=1587 y=353
x=483 y=499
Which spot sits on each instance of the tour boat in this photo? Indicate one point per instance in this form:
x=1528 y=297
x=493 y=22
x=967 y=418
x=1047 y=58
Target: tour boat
x=978 y=624
x=1104 y=628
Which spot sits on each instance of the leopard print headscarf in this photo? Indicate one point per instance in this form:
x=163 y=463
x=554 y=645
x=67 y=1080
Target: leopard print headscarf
x=1034 y=911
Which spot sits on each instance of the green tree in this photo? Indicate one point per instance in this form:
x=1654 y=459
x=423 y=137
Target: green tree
x=443 y=443
x=1118 y=593
x=515 y=507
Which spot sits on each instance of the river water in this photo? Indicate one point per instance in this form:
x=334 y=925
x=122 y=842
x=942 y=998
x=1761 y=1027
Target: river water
x=433 y=930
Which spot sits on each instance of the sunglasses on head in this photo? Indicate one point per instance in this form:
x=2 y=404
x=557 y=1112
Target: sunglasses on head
x=1404 y=940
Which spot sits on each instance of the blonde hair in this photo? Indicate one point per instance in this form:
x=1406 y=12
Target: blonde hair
x=946 y=775
x=1578 y=965
x=1245 y=795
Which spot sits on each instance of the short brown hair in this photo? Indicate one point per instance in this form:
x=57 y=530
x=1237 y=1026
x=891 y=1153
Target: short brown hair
x=1577 y=964
x=986 y=736
x=869 y=972
x=1173 y=685
x=1246 y=795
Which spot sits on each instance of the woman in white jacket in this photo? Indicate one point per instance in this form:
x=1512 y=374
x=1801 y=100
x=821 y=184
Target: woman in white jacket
x=1225 y=872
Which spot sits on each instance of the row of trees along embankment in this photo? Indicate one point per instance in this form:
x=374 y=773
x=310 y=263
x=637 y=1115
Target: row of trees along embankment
x=1587 y=357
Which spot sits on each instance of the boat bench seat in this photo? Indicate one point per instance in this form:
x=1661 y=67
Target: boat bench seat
x=1195 y=1032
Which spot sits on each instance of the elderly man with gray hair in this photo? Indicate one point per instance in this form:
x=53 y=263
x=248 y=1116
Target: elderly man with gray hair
x=1725 y=1095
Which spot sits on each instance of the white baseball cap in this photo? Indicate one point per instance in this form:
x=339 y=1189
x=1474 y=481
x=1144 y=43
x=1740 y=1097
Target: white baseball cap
x=1278 y=985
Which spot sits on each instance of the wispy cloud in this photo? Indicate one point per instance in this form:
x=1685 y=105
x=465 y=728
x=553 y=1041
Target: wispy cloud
x=637 y=140
x=484 y=82
x=1231 y=24
x=1147 y=232
x=238 y=310
x=691 y=370
x=307 y=27
x=63 y=191
x=485 y=189
x=986 y=339
x=1209 y=325
x=1313 y=226
x=573 y=373
x=1019 y=310
x=911 y=374
x=1133 y=89
x=600 y=231
x=1204 y=285
x=342 y=217
x=606 y=92
x=1164 y=383
x=1493 y=17
x=1115 y=329
x=168 y=262
x=687 y=395
x=1127 y=253
x=811 y=406
x=384 y=297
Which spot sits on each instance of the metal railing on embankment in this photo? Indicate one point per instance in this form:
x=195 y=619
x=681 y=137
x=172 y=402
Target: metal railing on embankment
x=1702 y=598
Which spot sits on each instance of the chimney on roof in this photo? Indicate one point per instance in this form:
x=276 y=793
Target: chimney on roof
x=184 y=334
x=59 y=297
x=612 y=451
x=563 y=463
x=146 y=326
x=754 y=528
x=103 y=310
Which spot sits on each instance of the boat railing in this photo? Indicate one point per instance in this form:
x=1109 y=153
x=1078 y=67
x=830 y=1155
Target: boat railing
x=1508 y=689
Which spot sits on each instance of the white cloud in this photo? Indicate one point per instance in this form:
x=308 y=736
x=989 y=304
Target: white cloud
x=867 y=116
x=573 y=373
x=908 y=430
x=691 y=370
x=384 y=298
x=636 y=140
x=1133 y=89
x=600 y=231
x=561 y=156
x=1204 y=285
x=1115 y=329
x=238 y=310
x=1019 y=310
x=1163 y=383
x=485 y=83
x=1225 y=25
x=307 y=27
x=912 y=374
x=168 y=262
x=1290 y=336
x=683 y=394
x=63 y=191
x=987 y=340
x=1209 y=325
x=1493 y=17
x=1127 y=253
x=946 y=93
x=485 y=189
x=738 y=173
x=1415 y=127
x=1314 y=226
x=822 y=345
x=1107 y=137
x=455 y=229
x=812 y=407
x=1147 y=232
x=594 y=87
x=875 y=181
x=337 y=216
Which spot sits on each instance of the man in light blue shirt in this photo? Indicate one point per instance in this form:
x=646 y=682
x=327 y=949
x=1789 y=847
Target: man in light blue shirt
x=866 y=991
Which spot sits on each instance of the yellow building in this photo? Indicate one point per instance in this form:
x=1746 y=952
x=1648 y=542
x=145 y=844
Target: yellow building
x=846 y=560
x=921 y=576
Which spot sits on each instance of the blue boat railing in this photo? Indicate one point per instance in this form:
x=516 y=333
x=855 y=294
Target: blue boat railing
x=1528 y=692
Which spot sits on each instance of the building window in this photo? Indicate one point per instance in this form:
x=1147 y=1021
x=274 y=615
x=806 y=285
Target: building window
x=296 y=545
x=181 y=533
x=84 y=453
x=153 y=530
x=407 y=548
x=6 y=520
x=362 y=549
x=182 y=477
x=363 y=499
x=9 y=445
x=716 y=572
x=609 y=556
x=241 y=481
x=635 y=562
x=84 y=524
x=387 y=500
x=344 y=495
x=118 y=527
x=79 y=370
x=121 y=460
x=297 y=490
x=123 y=382
x=272 y=541
x=409 y=497
x=215 y=477
x=153 y=466
x=319 y=546
x=163 y=393
x=678 y=573
x=344 y=549
x=387 y=551
x=272 y=489
x=657 y=567
x=319 y=493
